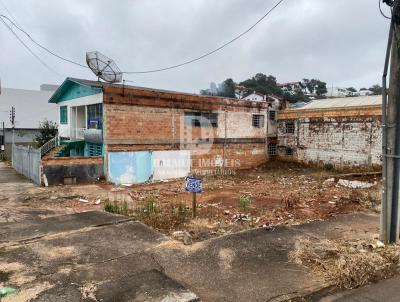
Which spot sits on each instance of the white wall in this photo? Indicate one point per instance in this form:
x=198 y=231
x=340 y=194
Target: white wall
x=64 y=129
x=171 y=164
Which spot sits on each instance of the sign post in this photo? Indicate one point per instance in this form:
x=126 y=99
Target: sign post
x=194 y=186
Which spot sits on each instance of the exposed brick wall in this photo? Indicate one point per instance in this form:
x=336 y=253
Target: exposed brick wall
x=61 y=161
x=342 y=141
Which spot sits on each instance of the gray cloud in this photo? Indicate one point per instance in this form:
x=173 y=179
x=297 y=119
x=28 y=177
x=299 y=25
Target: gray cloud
x=339 y=41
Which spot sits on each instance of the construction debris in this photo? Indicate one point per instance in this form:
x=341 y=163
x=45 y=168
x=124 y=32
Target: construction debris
x=355 y=184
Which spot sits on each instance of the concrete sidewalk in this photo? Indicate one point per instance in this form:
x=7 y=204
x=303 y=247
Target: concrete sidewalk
x=96 y=256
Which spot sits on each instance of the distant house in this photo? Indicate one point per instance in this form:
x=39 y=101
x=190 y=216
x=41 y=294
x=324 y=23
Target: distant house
x=340 y=92
x=293 y=87
x=257 y=97
x=31 y=107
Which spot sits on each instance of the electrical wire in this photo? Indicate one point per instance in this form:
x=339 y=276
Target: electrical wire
x=28 y=48
x=40 y=45
x=212 y=51
x=382 y=13
x=152 y=70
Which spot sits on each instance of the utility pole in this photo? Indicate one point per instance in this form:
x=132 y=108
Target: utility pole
x=391 y=132
x=12 y=120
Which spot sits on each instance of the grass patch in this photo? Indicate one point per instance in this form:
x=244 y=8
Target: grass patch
x=347 y=264
x=116 y=208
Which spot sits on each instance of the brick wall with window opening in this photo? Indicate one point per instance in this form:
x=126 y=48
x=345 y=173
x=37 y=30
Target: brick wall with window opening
x=289 y=151
x=199 y=119
x=258 y=121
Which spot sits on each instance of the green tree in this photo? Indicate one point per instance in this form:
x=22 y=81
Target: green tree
x=315 y=86
x=263 y=84
x=376 y=89
x=351 y=89
x=47 y=130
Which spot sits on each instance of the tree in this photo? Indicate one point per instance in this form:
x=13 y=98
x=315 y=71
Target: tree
x=376 y=89
x=315 y=86
x=321 y=88
x=47 y=130
x=225 y=89
x=263 y=84
x=351 y=89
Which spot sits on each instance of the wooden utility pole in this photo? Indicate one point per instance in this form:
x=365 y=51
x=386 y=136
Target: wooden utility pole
x=391 y=137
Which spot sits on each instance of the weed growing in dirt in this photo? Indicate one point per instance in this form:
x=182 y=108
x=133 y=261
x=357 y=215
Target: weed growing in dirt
x=148 y=207
x=116 y=208
x=166 y=217
x=347 y=264
x=291 y=201
x=244 y=202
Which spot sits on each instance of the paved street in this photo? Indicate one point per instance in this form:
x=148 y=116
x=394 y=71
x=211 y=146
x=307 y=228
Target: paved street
x=384 y=291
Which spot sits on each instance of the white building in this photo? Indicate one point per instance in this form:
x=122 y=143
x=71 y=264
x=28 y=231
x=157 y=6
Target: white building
x=31 y=108
x=258 y=97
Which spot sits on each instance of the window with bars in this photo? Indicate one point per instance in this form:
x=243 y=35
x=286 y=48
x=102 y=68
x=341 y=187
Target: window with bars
x=289 y=127
x=201 y=119
x=64 y=115
x=272 y=115
x=272 y=149
x=258 y=121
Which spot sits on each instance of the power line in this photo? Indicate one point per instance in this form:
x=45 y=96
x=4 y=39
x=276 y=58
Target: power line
x=152 y=70
x=40 y=45
x=28 y=48
x=212 y=51
x=8 y=11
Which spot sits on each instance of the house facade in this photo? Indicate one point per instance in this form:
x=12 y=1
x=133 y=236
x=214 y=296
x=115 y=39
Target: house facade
x=342 y=133
x=132 y=135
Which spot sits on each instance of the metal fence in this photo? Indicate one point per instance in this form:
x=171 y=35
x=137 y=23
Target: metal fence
x=27 y=161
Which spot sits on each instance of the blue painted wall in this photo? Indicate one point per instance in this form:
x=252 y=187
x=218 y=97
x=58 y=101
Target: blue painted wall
x=129 y=167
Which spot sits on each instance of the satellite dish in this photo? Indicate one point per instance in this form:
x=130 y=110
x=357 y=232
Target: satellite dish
x=104 y=68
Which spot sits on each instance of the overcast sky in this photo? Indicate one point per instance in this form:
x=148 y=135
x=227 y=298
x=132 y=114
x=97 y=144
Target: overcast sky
x=341 y=42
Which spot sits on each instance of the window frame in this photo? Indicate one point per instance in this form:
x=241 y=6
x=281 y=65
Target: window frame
x=258 y=121
x=289 y=151
x=290 y=127
x=273 y=113
x=64 y=115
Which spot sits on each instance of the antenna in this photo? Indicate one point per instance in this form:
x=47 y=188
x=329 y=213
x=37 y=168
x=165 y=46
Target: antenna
x=103 y=67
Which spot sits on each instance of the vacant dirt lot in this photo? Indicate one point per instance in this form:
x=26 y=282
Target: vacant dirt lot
x=278 y=193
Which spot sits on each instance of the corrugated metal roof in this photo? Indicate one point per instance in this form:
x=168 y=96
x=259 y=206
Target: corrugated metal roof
x=360 y=101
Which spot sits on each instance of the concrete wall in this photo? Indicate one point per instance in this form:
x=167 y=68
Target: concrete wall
x=338 y=141
x=67 y=170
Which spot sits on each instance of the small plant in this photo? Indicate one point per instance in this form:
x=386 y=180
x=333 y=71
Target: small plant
x=181 y=212
x=148 y=207
x=244 y=202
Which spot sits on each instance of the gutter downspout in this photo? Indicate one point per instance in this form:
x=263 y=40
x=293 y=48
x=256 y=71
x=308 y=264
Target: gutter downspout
x=384 y=212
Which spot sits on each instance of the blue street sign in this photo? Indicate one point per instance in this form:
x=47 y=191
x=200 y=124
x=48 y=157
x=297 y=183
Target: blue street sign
x=193 y=185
